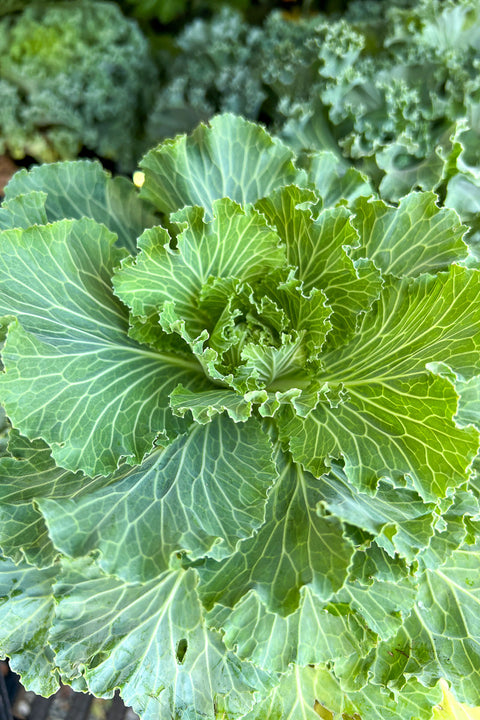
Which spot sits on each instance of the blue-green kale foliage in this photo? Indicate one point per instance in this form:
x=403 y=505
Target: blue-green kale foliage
x=390 y=89
x=72 y=75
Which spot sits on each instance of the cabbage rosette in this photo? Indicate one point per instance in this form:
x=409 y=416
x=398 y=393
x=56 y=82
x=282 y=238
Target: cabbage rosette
x=238 y=471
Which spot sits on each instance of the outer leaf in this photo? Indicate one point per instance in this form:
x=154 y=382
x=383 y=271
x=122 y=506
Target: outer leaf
x=452 y=530
x=149 y=641
x=463 y=193
x=73 y=376
x=372 y=562
x=417 y=237
x=26 y=606
x=384 y=604
x=398 y=518
x=313 y=634
x=83 y=189
x=202 y=494
x=309 y=693
x=395 y=418
x=295 y=547
x=294 y=698
x=442 y=636
x=28 y=473
x=469 y=403
x=12 y=5
x=24 y=536
x=23 y=211
x=231 y=158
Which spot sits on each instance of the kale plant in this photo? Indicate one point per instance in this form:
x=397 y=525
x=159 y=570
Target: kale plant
x=241 y=476
x=73 y=75
x=216 y=69
x=392 y=89
x=395 y=87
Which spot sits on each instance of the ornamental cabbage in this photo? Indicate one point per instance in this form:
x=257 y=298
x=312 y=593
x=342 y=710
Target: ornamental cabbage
x=241 y=477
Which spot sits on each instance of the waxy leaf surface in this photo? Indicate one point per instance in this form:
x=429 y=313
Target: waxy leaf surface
x=150 y=641
x=395 y=417
x=73 y=376
x=202 y=494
